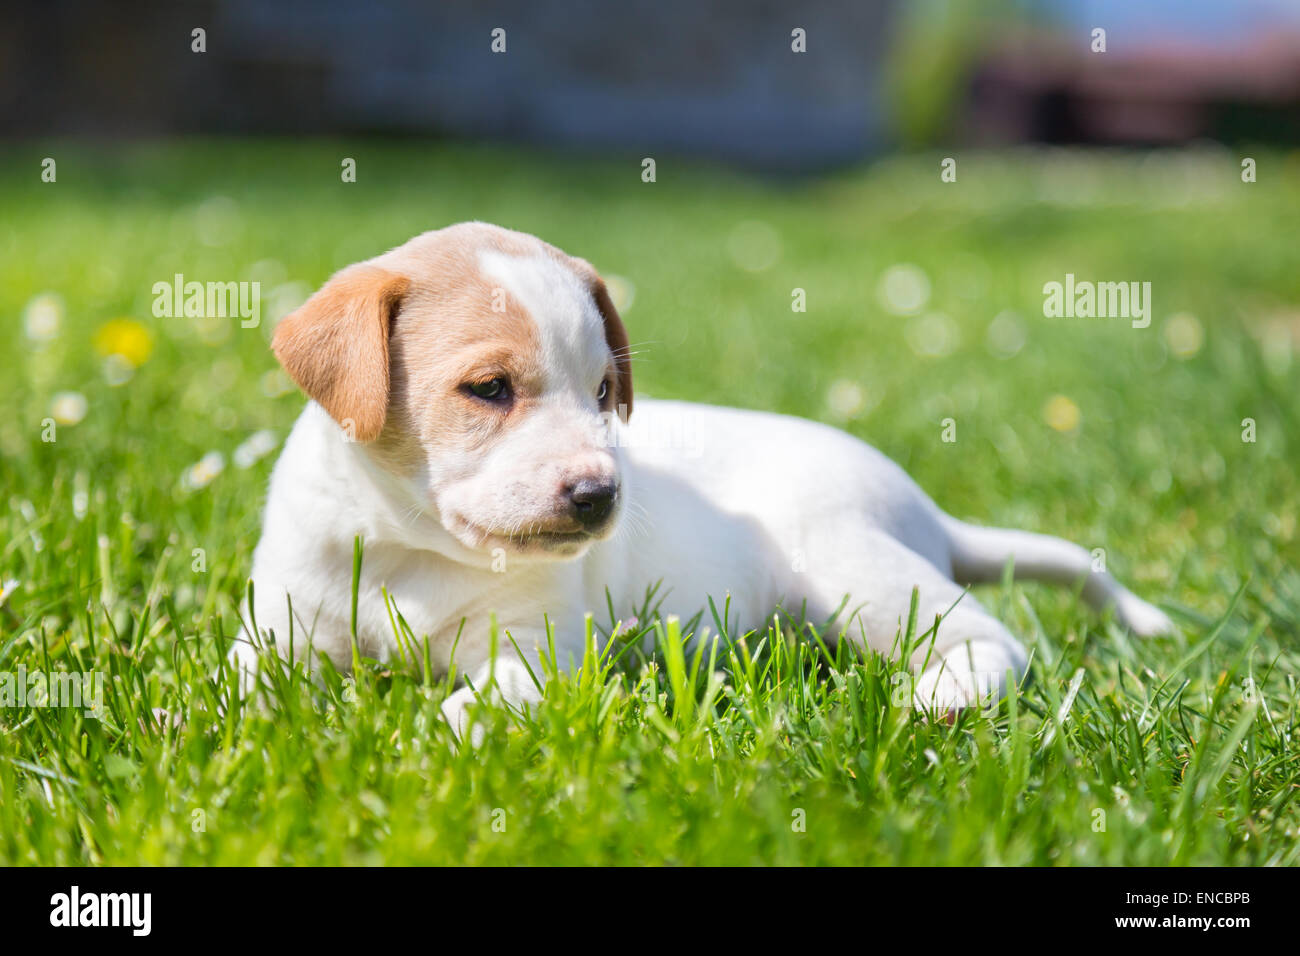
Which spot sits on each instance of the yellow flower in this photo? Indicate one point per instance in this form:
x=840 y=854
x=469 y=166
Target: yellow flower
x=127 y=338
x=1061 y=413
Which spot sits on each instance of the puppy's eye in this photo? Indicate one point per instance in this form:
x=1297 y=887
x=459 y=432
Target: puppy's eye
x=493 y=390
x=602 y=391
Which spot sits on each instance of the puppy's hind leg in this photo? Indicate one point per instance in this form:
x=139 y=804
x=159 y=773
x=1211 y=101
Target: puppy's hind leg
x=979 y=555
x=967 y=661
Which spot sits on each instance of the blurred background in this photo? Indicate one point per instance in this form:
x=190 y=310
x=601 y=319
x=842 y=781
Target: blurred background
x=716 y=79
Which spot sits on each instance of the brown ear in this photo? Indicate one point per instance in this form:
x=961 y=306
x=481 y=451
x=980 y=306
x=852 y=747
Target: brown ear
x=335 y=346
x=616 y=337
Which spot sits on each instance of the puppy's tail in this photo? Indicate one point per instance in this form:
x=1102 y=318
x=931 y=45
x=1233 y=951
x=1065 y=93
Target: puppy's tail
x=980 y=555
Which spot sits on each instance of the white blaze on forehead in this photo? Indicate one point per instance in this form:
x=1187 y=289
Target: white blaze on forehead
x=574 y=351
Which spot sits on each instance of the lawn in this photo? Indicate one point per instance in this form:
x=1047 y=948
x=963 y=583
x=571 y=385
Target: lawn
x=128 y=537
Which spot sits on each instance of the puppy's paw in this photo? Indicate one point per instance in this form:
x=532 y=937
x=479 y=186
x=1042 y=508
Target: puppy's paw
x=944 y=692
x=456 y=711
x=974 y=674
x=938 y=694
x=508 y=683
x=1143 y=619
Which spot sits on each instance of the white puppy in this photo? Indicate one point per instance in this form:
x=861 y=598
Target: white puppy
x=469 y=420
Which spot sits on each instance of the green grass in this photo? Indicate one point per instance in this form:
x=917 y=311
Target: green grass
x=1116 y=752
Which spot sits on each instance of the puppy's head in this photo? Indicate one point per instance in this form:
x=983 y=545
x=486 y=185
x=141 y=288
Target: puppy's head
x=485 y=371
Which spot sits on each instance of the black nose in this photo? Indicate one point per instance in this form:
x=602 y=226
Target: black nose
x=592 y=499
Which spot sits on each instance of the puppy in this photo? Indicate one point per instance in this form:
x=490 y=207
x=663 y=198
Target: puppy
x=471 y=420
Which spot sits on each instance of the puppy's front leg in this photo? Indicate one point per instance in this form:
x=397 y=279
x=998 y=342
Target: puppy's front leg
x=504 y=681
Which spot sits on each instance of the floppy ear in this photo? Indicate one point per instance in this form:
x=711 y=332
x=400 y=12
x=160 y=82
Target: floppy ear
x=616 y=338
x=335 y=346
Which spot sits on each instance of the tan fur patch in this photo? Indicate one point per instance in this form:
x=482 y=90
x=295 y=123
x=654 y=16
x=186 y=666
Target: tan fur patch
x=457 y=327
x=336 y=346
x=471 y=237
